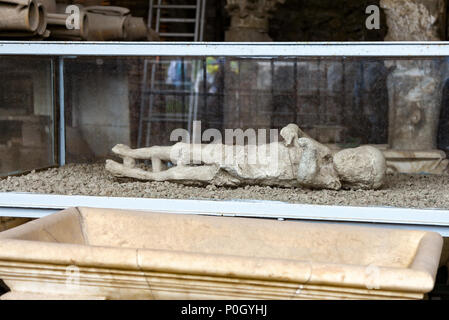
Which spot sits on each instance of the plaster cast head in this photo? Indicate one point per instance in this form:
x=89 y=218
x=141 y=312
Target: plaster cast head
x=360 y=168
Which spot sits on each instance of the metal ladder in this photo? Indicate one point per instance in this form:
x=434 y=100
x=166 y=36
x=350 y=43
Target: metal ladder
x=151 y=65
x=199 y=7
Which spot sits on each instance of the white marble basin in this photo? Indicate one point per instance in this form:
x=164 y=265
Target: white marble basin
x=91 y=253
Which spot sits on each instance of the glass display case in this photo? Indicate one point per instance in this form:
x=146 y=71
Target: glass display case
x=64 y=106
x=26 y=114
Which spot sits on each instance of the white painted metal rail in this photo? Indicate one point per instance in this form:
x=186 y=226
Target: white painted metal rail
x=38 y=205
x=239 y=49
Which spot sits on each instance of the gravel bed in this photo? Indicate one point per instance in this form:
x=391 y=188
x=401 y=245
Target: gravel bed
x=411 y=191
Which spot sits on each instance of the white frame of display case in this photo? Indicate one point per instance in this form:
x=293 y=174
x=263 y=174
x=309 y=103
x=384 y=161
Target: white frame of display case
x=229 y=49
x=13 y=204
x=31 y=205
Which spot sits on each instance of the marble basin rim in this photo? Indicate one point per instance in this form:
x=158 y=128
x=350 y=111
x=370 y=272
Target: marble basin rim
x=122 y=254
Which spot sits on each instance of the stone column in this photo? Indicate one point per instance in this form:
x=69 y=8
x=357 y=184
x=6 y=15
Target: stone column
x=249 y=19
x=414 y=20
x=415 y=85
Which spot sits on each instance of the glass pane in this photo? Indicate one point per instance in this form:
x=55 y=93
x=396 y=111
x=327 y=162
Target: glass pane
x=26 y=114
x=139 y=102
x=398 y=106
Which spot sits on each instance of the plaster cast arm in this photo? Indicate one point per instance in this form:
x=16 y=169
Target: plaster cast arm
x=156 y=154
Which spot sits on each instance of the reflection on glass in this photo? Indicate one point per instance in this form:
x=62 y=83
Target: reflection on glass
x=26 y=114
x=399 y=106
x=140 y=101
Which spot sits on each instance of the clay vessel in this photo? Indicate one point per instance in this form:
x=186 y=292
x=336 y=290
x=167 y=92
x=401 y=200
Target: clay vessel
x=18 y=17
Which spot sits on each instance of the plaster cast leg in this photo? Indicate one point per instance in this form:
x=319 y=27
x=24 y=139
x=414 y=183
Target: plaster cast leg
x=180 y=154
x=162 y=153
x=198 y=173
x=156 y=165
x=129 y=162
x=156 y=154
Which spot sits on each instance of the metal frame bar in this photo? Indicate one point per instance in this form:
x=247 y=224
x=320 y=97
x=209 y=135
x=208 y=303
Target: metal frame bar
x=197 y=22
x=180 y=20
x=150 y=14
x=177 y=35
x=158 y=16
x=38 y=205
x=174 y=6
x=142 y=102
x=203 y=18
x=61 y=137
x=236 y=49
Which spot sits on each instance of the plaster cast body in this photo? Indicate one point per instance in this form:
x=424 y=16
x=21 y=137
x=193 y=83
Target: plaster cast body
x=297 y=161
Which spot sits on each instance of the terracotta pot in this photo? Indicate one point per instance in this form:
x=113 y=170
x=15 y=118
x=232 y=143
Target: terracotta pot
x=57 y=18
x=50 y=5
x=108 y=10
x=42 y=26
x=58 y=29
x=17 y=17
x=106 y=27
x=136 y=29
x=17 y=2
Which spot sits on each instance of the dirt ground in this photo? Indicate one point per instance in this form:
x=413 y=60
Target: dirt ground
x=411 y=191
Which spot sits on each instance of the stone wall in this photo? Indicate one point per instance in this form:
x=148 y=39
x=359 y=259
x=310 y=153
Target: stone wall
x=325 y=20
x=415 y=20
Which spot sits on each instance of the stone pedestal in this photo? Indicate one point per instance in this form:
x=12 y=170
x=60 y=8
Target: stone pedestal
x=414 y=20
x=414 y=93
x=414 y=85
x=431 y=161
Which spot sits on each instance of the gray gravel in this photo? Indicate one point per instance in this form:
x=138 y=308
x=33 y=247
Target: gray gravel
x=412 y=191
